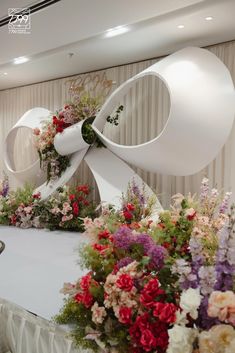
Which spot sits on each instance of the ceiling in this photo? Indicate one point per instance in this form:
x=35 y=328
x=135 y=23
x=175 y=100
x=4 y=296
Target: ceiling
x=80 y=27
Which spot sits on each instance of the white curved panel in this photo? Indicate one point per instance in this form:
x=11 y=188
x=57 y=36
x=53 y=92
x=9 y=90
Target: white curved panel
x=112 y=176
x=47 y=189
x=201 y=114
x=31 y=119
x=70 y=140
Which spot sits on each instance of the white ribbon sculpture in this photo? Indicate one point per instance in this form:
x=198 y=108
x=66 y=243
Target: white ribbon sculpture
x=201 y=116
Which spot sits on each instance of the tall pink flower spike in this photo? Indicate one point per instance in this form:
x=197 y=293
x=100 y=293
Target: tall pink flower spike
x=201 y=116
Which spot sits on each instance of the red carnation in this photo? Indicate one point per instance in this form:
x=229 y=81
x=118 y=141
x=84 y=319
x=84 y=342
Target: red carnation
x=127 y=215
x=130 y=207
x=125 y=314
x=125 y=282
x=75 y=209
x=101 y=248
x=78 y=297
x=85 y=282
x=104 y=234
x=87 y=299
x=71 y=197
x=148 y=341
x=59 y=129
x=55 y=120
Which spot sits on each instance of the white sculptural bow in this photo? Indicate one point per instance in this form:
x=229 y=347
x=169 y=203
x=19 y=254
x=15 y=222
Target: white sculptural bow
x=201 y=116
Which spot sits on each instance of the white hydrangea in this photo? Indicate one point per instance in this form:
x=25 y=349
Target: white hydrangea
x=190 y=301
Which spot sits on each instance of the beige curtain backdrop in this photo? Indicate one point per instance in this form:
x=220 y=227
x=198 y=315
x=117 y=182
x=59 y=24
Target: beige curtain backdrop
x=146 y=109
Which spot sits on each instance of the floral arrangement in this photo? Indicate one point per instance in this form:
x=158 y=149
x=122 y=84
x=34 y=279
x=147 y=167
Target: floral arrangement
x=22 y=208
x=67 y=209
x=82 y=106
x=162 y=286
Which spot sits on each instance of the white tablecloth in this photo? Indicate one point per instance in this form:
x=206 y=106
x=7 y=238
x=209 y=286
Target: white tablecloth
x=22 y=332
x=33 y=268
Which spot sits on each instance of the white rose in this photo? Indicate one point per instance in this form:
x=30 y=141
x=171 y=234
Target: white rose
x=190 y=301
x=181 y=339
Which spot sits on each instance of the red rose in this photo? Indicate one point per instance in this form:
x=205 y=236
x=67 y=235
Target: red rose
x=125 y=315
x=152 y=287
x=37 y=195
x=101 y=248
x=85 y=203
x=147 y=340
x=130 y=207
x=59 y=129
x=125 y=282
x=55 y=120
x=127 y=215
x=71 y=197
x=83 y=188
x=104 y=234
x=147 y=300
x=141 y=323
x=87 y=299
x=85 y=282
x=78 y=297
x=162 y=340
x=13 y=219
x=75 y=209
x=165 y=312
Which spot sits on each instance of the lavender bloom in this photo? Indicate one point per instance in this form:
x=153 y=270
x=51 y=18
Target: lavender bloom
x=204 y=321
x=5 y=188
x=136 y=191
x=207 y=277
x=187 y=279
x=224 y=205
x=225 y=267
x=204 y=189
x=124 y=262
x=123 y=238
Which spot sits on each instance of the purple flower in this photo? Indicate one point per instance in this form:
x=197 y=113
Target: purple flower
x=145 y=240
x=224 y=205
x=204 y=321
x=124 y=262
x=136 y=191
x=157 y=255
x=207 y=277
x=225 y=265
x=123 y=238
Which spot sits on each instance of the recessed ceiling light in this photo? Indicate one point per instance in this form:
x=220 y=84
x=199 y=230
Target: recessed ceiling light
x=5 y=73
x=116 y=31
x=209 y=18
x=20 y=60
x=180 y=26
